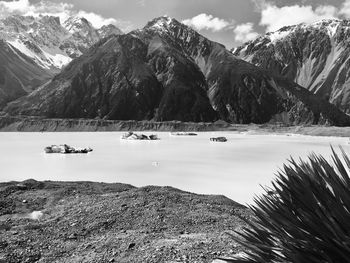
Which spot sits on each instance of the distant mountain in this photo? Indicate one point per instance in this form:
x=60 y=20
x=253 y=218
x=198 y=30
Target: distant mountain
x=19 y=74
x=316 y=56
x=50 y=43
x=168 y=71
x=33 y=49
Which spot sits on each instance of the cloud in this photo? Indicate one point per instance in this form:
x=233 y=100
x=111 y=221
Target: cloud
x=259 y=4
x=142 y=3
x=15 y=6
x=61 y=10
x=208 y=22
x=24 y=7
x=274 y=18
x=245 y=32
x=95 y=19
x=345 y=9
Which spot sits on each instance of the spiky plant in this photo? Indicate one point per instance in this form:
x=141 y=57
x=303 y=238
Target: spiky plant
x=304 y=217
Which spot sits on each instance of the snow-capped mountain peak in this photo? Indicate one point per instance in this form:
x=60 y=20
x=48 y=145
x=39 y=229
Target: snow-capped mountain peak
x=108 y=30
x=169 y=26
x=329 y=26
x=76 y=24
x=50 y=43
x=162 y=22
x=316 y=56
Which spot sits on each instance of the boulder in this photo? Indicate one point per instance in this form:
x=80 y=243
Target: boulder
x=219 y=139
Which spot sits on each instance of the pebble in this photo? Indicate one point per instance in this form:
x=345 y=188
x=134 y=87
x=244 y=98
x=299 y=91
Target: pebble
x=3 y=244
x=21 y=187
x=131 y=245
x=72 y=236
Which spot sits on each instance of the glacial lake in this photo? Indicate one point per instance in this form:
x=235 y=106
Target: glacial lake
x=235 y=169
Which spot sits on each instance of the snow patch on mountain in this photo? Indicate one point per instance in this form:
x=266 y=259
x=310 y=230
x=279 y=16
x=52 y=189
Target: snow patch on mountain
x=278 y=35
x=58 y=60
x=331 y=26
x=163 y=22
x=44 y=63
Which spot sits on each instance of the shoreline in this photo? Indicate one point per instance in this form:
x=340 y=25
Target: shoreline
x=38 y=124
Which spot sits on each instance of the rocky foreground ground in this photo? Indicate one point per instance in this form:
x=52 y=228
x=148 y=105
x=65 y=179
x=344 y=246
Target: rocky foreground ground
x=96 y=222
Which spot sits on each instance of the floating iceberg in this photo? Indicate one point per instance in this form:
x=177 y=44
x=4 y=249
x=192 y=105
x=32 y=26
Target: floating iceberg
x=142 y=137
x=65 y=149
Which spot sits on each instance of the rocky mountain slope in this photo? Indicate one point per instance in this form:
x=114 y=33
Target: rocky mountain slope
x=19 y=75
x=167 y=71
x=92 y=222
x=33 y=49
x=315 y=56
x=39 y=124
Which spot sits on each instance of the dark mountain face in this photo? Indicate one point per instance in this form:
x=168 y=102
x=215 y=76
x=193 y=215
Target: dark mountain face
x=315 y=56
x=108 y=30
x=239 y=91
x=19 y=74
x=167 y=71
x=122 y=78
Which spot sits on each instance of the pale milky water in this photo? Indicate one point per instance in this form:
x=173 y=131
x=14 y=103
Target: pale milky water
x=235 y=169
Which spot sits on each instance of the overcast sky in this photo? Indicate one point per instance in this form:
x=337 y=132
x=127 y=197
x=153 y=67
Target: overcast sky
x=230 y=22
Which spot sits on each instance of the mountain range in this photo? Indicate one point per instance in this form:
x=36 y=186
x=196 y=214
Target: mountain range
x=168 y=71
x=316 y=56
x=34 y=49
